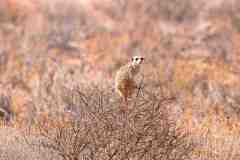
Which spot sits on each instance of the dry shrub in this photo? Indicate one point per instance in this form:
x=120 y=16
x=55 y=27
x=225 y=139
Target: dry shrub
x=174 y=10
x=97 y=129
x=224 y=147
x=5 y=108
x=66 y=22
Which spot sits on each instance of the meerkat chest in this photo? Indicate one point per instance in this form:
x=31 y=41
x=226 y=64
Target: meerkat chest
x=126 y=73
x=134 y=70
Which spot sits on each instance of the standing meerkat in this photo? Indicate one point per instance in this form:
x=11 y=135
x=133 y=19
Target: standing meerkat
x=124 y=80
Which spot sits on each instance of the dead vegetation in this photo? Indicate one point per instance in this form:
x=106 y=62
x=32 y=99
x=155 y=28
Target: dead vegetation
x=97 y=129
x=52 y=51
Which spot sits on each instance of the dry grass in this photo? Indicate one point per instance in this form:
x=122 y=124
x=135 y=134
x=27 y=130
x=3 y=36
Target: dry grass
x=49 y=51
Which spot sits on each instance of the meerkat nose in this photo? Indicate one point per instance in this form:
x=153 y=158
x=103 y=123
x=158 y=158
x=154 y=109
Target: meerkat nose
x=141 y=59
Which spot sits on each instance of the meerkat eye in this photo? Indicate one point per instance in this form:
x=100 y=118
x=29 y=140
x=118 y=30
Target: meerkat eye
x=137 y=59
x=142 y=59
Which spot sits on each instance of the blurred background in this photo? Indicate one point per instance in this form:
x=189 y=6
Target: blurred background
x=191 y=46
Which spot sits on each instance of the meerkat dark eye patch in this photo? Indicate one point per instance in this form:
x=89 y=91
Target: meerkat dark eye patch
x=137 y=58
x=142 y=59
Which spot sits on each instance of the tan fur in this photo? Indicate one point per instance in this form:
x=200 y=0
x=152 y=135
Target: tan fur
x=124 y=80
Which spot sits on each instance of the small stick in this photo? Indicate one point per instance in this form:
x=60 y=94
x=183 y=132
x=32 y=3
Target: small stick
x=140 y=87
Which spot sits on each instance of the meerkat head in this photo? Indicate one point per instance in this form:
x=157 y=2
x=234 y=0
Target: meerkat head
x=137 y=60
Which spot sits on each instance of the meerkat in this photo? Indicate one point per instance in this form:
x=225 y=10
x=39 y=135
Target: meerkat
x=124 y=80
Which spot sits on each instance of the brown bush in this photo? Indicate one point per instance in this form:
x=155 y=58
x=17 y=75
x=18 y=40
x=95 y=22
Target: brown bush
x=98 y=130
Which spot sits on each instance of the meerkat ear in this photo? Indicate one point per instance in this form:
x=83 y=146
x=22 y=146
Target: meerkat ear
x=132 y=59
